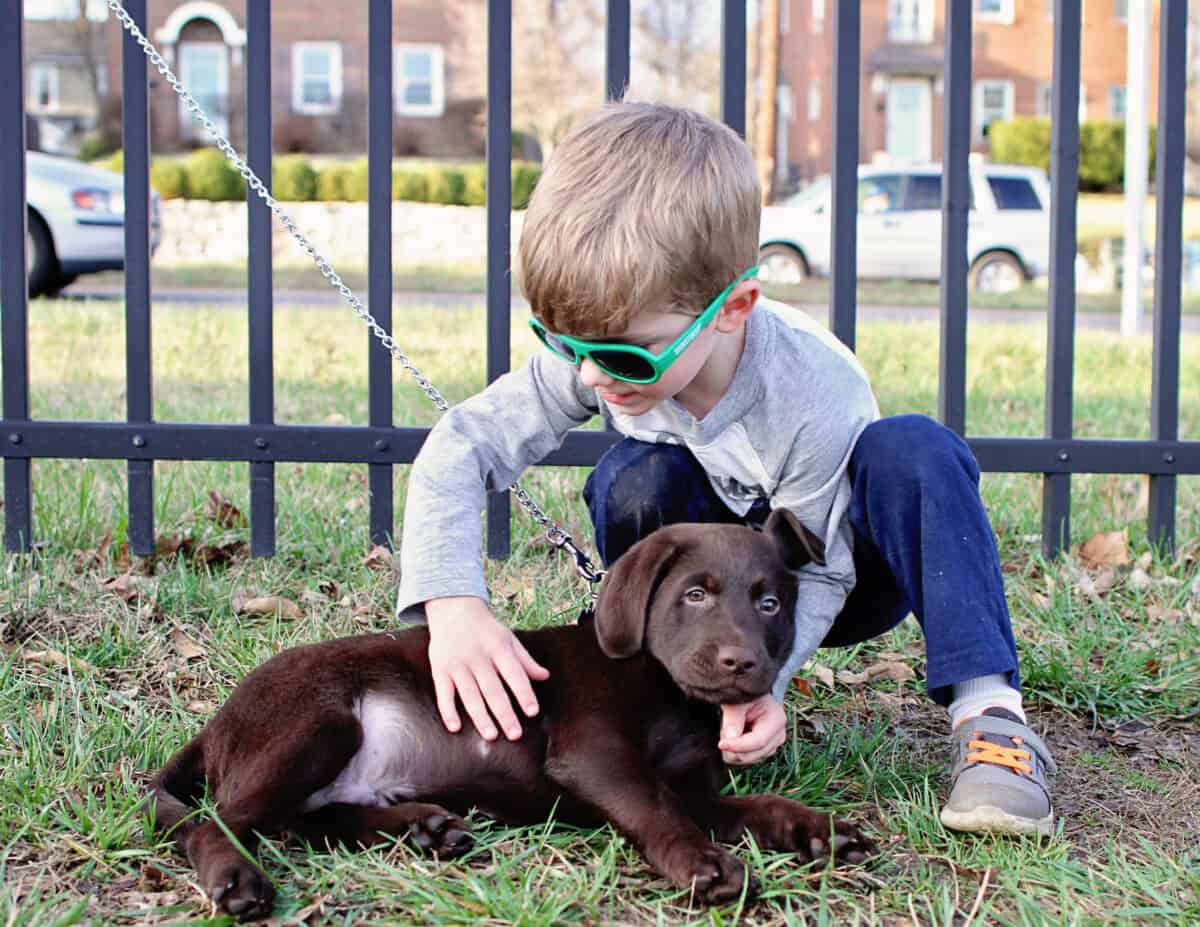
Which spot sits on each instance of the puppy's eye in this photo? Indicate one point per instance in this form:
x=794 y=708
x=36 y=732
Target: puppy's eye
x=768 y=605
x=695 y=594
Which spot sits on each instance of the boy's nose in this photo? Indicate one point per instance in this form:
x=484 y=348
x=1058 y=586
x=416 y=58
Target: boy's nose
x=592 y=376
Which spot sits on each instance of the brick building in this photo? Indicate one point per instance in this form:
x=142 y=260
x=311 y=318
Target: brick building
x=318 y=72
x=901 y=86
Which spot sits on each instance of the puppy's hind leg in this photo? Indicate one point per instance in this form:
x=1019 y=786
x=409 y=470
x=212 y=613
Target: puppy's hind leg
x=175 y=791
x=428 y=827
x=273 y=780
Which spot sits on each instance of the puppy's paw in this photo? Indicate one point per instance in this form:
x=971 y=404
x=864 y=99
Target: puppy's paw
x=440 y=833
x=239 y=888
x=716 y=876
x=818 y=837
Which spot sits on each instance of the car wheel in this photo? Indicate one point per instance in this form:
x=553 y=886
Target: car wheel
x=39 y=256
x=781 y=264
x=997 y=272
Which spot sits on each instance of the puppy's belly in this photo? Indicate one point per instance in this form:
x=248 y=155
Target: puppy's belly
x=406 y=755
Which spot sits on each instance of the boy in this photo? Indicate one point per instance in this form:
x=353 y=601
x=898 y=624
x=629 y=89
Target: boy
x=637 y=257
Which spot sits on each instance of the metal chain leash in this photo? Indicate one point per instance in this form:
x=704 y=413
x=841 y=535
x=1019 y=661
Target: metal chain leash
x=553 y=533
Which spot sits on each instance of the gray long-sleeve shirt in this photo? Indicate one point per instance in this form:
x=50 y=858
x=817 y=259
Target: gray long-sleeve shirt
x=784 y=431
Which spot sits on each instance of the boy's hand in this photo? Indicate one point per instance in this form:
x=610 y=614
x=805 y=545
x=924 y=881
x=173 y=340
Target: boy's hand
x=469 y=653
x=752 y=731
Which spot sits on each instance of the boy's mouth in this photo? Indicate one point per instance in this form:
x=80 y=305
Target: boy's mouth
x=617 y=399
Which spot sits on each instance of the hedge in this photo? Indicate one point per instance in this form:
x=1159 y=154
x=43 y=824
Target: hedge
x=1101 y=149
x=206 y=174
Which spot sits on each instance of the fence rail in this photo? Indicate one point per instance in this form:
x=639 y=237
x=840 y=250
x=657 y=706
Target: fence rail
x=262 y=443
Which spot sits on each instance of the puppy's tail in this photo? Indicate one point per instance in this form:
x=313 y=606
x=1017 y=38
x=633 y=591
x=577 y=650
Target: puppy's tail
x=176 y=791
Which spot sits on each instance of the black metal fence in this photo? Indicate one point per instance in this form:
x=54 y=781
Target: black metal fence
x=140 y=440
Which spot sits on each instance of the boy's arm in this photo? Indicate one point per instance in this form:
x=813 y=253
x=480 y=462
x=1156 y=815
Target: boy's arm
x=482 y=444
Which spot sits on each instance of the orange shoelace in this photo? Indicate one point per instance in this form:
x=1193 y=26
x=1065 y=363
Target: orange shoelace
x=1014 y=758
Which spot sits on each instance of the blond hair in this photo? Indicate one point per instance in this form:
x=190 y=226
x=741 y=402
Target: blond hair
x=642 y=207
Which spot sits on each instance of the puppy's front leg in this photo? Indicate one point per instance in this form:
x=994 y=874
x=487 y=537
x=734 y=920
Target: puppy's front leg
x=609 y=774
x=778 y=823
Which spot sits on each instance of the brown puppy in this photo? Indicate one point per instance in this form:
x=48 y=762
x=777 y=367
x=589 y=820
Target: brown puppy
x=341 y=742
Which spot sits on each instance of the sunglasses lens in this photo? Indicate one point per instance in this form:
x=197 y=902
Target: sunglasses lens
x=557 y=345
x=624 y=365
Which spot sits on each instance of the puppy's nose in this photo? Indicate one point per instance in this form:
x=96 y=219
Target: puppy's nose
x=736 y=660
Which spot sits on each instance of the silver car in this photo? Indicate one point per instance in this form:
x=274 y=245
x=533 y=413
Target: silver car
x=76 y=221
x=900 y=227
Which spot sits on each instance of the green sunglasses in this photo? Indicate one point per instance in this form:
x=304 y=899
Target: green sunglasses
x=628 y=362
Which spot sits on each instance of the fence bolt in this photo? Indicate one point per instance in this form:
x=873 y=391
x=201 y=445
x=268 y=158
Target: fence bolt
x=1168 y=457
x=1064 y=456
x=139 y=441
x=381 y=445
x=14 y=438
x=261 y=443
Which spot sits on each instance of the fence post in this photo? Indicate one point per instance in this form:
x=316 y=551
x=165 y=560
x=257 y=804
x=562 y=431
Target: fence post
x=260 y=276
x=14 y=289
x=733 y=65
x=1164 y=390
x=956 y=201
x=843 y=271
x=139 y=380
x=1064 y=192
x=499 y=235
x=616 y=50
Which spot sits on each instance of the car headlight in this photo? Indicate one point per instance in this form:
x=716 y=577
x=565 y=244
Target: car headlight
x=109 y=201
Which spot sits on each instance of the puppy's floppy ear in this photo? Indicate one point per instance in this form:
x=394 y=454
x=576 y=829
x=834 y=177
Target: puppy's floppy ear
x=627 y=591
x=795 y=543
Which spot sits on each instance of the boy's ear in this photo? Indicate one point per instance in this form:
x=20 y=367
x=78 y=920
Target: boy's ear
x=738 y=306
x=627 y=592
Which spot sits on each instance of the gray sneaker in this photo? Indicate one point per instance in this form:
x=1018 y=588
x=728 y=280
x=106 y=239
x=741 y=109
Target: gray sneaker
x=998 y=783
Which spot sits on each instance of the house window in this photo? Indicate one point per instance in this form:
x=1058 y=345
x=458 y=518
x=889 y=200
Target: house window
x=814 y=100
x=995 y=11
x=910 y=20
x=1116 y=101
x=818 y=15
x=43 y=94
x=1045 y=103
x=316 y=77
x=420 y=72
x=993 y=100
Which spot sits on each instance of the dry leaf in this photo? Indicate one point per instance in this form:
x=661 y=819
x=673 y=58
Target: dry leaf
x=269 y=605
x=380 y=558
x=121 y=586
x=312 y=597
x=891 y=669
x=1139 y=579
x=329 y=588
x=169 y=546
x=152 y=879
x=803 y=686
x=56 y=658
x=1105 y=549
x=224 y=512
x=218 y=554
x=847 y=678
x=202 y=707
x=823 y=673
x=185 y=645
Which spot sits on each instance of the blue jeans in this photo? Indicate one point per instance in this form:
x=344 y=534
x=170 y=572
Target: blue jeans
x=922 y=540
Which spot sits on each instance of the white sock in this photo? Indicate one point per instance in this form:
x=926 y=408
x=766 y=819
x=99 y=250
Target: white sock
x=972 y=696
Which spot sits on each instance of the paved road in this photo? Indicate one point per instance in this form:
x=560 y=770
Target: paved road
x=236 y=298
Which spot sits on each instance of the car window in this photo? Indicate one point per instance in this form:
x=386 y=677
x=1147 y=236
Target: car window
x=879 y=194
x=923 y=191
x=1014 y=193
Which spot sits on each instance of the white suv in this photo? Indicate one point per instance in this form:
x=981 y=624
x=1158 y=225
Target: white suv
x=900 y=227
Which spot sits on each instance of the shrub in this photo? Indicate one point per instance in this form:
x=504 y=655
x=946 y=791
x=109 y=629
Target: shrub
x=447 y=185
x=293 y=179
x=1101 y=149
x=114 y=162
x=525 y=176
x=170 y=179
x=357 y=181
x=211 y=177
x=475 y=185
x=331 y=183
x=410 y=185
x=98 y=144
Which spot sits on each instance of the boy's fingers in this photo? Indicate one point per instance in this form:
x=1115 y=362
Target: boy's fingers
x=533 y=669
x=443 y=687
x=468 y=691
x=498 y=700
x=513 y=672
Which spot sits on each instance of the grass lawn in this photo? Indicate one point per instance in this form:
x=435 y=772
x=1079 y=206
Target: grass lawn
x=107 y=666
